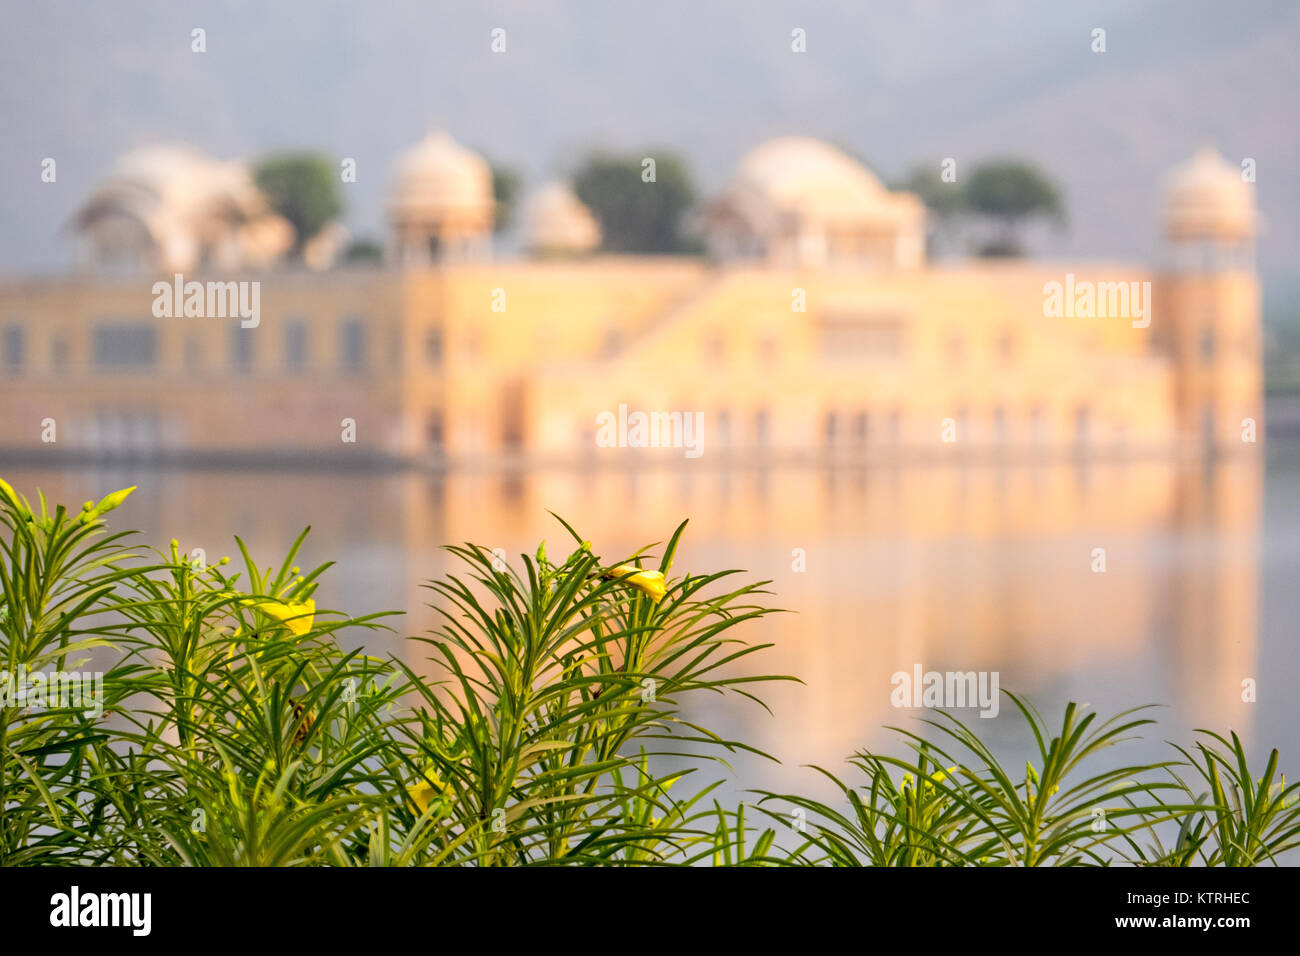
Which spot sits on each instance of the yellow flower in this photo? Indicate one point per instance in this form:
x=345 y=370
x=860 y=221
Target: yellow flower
x=647 y=582
x=296 y=617
x=9 y=495
x=430 y=785
x=109 y=502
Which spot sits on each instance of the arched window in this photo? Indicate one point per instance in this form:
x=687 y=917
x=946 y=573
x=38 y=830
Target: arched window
x=13 y=349
x=762 y=428
x=861 y=429
x=241 y=349
x=1082 y=425
x=352 y=345
x=295 y=345
x=1006 y=345
x=434 y=429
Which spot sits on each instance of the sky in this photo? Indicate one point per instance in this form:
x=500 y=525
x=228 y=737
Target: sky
x=897 y=83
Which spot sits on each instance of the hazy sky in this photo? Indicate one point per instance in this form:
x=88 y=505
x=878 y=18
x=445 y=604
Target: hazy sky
x=896 y=82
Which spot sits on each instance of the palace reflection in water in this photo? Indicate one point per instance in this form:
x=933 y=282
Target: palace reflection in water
x=953 y=566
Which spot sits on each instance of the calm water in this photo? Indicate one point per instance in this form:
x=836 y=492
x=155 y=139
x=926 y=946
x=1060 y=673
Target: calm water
x=950 y=567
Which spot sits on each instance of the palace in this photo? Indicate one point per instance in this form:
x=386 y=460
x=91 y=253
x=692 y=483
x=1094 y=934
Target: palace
x=813 y=329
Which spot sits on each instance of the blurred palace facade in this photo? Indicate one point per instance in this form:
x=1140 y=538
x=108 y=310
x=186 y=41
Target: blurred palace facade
x=812 y=329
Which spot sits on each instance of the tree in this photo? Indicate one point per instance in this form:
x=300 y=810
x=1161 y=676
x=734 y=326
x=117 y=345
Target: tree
x=304 y=189
x=946 y=201
x=505 y=190
x=364 y=251
x=1009 y=192
x=636 y=215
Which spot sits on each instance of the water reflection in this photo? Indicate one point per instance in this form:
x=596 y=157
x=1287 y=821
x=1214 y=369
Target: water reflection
x=956 y=568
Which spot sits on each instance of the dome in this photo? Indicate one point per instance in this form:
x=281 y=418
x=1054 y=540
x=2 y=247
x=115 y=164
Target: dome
x=803 y=175
x=157 y=164
x=438 y=177
x=1206 y=198
x=555 y=220
x=797 y=200
x=178 y=181
x=177 y=202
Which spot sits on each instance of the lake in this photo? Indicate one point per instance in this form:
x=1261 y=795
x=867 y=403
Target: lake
x=1113 y=583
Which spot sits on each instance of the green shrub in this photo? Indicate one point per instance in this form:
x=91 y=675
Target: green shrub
x=231 y=729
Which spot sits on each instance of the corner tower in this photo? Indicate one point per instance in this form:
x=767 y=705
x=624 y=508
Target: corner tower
x=441 y=207
x=1209 y=295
